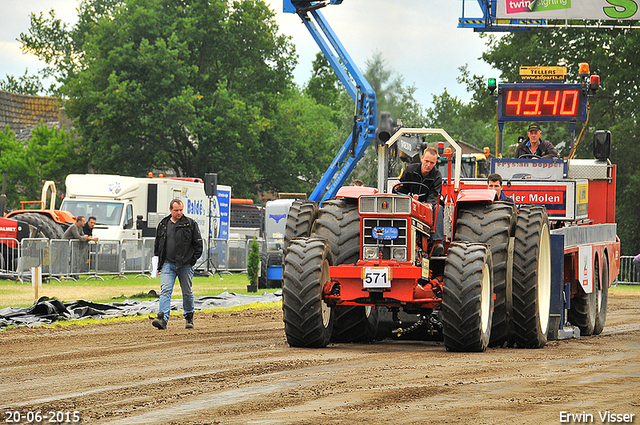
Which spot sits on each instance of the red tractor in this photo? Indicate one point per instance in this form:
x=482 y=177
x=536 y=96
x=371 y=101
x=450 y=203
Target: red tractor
x=368 y=250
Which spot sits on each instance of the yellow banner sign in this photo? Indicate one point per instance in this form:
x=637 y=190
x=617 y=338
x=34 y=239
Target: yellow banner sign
x=543 y=73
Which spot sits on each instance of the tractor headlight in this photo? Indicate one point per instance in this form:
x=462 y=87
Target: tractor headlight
x=370 y=253
x=399 y=253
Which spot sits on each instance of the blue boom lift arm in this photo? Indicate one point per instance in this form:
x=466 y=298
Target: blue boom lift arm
x=365 y=116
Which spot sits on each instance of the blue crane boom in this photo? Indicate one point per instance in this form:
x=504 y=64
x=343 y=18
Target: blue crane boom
x=365 y=116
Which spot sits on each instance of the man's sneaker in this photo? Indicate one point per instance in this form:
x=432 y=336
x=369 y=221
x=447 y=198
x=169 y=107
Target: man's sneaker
x=189 y=318
x=159 y=322
x=438 y=250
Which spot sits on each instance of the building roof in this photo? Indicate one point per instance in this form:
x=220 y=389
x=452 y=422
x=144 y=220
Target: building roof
x=22 y=113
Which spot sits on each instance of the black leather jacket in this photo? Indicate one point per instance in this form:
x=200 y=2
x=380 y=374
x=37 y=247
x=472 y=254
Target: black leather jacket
x=188 y=240
x=432 y=181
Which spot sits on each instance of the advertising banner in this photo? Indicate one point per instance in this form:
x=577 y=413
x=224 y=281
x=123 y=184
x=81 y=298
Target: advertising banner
x=568 y=9
x=224 y=207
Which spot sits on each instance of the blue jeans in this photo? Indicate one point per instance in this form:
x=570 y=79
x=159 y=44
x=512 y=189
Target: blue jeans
x=438 y=234
x=168 y=276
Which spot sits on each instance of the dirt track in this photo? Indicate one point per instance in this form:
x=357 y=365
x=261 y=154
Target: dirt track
x=236 y=368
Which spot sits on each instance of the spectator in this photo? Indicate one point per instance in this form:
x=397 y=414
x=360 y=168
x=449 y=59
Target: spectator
x=178 y=246
x=79 y=252
x=88 y=227
x=533 y=145
x=495 y=182
x=75 y=231
x=356 y=182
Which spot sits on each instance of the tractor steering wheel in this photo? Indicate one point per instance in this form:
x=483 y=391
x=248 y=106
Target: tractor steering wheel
x=411 y=190
x=530 y=155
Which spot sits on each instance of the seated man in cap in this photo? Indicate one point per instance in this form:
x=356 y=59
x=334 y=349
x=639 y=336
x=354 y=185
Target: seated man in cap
x=534 y=145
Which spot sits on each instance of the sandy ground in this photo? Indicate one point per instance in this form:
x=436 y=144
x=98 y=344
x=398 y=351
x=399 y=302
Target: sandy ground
x=236 y=368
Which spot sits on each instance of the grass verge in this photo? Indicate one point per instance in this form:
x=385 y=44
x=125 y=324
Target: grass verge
x=16 y=294
x=120 y=319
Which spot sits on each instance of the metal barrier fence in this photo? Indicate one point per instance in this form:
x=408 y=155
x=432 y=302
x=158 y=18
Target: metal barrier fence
x=67 y=259
x=629 y=274
x=9 y=254
x=33 y=253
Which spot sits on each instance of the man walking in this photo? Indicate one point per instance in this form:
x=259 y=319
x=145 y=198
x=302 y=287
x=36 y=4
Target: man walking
x=178 y=246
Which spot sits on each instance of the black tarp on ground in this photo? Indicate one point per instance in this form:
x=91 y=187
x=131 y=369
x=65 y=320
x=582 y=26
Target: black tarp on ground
x=45 y=311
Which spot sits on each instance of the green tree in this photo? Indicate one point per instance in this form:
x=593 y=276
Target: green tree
x=391 y=93
x=50 y=154
x=611 y=53
x=253 y=263
x=323 y=85
x=393 y=96
x=25 y=84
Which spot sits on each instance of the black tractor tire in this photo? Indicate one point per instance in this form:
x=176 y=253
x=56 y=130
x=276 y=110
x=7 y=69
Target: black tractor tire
x=531 y=278
x=583 y=312
x=302 y=215
x=584 y=307
x=40 y=225
x=492 y=224
x=602 y=298
x=308 y=320
x=467 y=298
x=355 y=324
x=262 y=280
x=339 y=223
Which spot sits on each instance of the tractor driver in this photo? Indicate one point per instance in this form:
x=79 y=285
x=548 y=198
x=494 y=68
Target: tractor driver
x=534 y=145
x=428 y=189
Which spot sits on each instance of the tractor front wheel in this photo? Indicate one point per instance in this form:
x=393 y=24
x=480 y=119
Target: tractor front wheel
x=308 y=320
x=467 y=300
x=339 y=223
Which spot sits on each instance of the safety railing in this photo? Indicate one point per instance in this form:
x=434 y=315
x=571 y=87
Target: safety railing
x=9 y=254
x=61 y=259
x=629 y=273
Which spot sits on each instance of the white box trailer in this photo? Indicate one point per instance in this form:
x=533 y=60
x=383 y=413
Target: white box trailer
x=131 y=207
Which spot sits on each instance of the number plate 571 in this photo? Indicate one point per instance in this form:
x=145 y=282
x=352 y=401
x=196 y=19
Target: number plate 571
x=376 y=277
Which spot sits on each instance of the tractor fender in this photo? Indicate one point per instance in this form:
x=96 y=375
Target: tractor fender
x=475 y=195
x=355 y=191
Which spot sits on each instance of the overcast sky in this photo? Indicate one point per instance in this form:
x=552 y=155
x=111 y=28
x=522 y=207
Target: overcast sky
x=419 y=38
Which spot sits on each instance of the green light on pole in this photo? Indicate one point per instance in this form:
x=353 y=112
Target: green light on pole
x=491 y=84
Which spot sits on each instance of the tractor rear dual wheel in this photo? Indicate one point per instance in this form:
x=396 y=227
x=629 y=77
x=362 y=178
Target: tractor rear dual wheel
x=40 y=225
x=339 y=223
x=302 y=215
x=492 y=224
x=308 y=320
x=467 y=299
x=531 y=278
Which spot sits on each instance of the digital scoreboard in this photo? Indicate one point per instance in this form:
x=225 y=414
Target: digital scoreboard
x=541 y=102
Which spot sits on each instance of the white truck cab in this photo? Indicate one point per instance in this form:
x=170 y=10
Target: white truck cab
x=131 y=207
